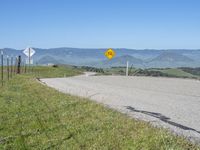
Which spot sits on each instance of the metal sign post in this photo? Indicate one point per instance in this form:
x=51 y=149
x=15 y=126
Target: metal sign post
x=29 y=57
x=29 y=52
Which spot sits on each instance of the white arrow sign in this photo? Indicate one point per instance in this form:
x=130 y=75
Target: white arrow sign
x=29 y=52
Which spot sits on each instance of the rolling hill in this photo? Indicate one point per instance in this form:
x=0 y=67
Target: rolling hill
x=172 y=57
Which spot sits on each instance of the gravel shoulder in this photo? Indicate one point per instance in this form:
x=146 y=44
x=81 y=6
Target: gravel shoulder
x=171 y=103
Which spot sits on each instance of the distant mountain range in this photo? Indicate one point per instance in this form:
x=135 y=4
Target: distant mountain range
x=95 y=57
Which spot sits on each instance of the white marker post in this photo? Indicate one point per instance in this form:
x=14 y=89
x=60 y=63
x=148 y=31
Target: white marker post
x=29 y=52
x=127 y=68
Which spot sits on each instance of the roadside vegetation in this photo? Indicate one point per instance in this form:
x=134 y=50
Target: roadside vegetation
x=193 y=73
x=34 y=116
x=92 y=69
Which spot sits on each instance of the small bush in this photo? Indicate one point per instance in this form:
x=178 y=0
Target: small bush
x=55 y=66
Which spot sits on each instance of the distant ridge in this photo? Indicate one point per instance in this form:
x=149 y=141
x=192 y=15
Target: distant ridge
x=95 y=57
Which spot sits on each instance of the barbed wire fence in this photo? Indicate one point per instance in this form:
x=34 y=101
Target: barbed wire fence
x=11 y=66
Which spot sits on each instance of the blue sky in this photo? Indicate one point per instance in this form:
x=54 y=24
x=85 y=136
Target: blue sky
x=139 y=24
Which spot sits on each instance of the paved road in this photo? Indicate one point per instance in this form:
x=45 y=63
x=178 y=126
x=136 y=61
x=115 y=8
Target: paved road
x=167 y=102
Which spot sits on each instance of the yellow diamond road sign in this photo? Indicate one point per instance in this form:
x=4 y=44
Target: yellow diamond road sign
x=110 y=53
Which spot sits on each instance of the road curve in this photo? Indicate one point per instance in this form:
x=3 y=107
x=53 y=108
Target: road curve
x=168 y=102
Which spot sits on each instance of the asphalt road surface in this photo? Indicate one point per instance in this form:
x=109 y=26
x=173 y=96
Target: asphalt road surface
x=165 y=102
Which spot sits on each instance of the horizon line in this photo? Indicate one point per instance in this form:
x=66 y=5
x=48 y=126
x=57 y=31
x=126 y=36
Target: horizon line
x=106 y=48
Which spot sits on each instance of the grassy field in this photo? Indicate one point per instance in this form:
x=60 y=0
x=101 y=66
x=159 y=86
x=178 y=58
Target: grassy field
x=42 y=71
x=33 y=116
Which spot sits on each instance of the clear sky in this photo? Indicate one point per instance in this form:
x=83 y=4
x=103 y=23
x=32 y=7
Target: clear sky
x=139 y=24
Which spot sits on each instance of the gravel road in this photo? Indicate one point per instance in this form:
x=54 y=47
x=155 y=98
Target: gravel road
x=168 y=102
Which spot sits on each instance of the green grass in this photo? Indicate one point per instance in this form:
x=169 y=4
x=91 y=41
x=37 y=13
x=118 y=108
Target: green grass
x=115 y=71
x=33 y=116
x=176 y=72
x=50 y=72
x=42 y=71
x=6 y=76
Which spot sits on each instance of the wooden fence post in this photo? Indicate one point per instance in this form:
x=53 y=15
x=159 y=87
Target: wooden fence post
x=18 y=64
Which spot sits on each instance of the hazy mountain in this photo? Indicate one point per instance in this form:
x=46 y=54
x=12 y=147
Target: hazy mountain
x=172 y=57
x=49 y=59
x=91 y=57
x=120 y=61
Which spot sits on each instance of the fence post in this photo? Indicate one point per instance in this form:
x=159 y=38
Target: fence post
x=11 y=67
x=25 y=67
x=22 y=66
x=8 y=69
x=16 y=62
x=19 y=65
x=2 y=68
